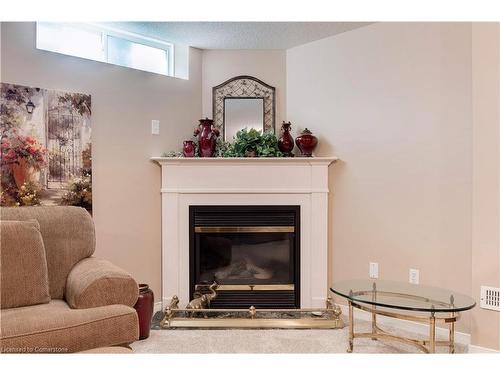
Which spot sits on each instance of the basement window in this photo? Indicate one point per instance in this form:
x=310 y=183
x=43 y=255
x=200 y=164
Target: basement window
x=109 y=45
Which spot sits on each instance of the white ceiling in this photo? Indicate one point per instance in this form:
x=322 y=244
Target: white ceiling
x=239 y=35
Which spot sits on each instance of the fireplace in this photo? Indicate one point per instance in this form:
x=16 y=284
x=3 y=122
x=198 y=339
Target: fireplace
x=242 y=182
x=252 y=252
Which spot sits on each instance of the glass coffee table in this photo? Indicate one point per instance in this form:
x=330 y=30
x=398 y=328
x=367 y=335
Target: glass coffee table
x=405 y=301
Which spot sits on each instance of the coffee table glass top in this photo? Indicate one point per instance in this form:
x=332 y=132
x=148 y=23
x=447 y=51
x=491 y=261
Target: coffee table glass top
x=405 y=296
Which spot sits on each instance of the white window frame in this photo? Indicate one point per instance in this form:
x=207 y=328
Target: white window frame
x=106 y=31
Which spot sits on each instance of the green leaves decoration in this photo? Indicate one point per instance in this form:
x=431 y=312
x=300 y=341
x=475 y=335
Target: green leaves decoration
x=251 y=143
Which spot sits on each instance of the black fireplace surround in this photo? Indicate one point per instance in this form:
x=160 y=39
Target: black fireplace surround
x=252 y=252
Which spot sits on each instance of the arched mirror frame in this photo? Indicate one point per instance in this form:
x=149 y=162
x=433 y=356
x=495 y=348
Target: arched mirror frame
x=244 y=87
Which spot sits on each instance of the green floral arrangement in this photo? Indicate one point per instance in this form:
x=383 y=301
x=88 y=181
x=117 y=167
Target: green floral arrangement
x=251 y=143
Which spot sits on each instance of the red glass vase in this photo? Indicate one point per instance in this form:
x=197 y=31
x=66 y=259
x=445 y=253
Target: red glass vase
x=188 y=149
x=144 y=307
x=207 y=138
x=306 y=142
x=285 y=142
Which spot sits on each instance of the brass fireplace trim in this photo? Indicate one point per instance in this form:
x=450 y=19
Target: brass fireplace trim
x=198 y=318
x=251 y=287
x=279 y=229
x=277 y=323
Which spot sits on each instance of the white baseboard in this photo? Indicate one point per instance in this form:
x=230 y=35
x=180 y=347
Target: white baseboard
x=481 y=349
x=413 y=327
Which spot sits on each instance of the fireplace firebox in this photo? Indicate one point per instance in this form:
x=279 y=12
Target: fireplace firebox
x=252 y=252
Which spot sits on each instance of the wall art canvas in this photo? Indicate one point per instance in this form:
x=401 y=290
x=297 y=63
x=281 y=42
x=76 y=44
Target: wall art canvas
x=45 y=147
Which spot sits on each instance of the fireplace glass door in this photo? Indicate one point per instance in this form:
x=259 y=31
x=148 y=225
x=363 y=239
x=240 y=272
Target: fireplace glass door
x=246 y=258
x=250 y=251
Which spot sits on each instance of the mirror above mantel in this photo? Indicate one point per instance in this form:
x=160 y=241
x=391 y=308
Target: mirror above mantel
x=243 y=102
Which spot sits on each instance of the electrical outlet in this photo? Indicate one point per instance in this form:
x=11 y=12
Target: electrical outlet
x=414 y=276
x=155 y=127
x=373 y=270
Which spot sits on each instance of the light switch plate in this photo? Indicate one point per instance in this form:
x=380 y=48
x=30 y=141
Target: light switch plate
x=155 y=127
x=373 y=270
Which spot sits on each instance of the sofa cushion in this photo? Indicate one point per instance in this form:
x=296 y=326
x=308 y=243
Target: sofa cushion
x=23 y=266
x=68 y=235
x=96 y=282
x=56 y=328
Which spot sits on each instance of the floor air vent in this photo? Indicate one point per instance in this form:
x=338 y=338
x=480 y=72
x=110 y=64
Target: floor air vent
x=490 y=298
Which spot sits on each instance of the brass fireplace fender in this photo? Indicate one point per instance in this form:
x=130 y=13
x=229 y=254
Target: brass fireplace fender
x=198 y=318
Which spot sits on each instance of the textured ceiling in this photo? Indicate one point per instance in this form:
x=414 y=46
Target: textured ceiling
x=238 y=35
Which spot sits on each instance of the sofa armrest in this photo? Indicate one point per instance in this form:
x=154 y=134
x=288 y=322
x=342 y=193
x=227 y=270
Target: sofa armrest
x=95 y=282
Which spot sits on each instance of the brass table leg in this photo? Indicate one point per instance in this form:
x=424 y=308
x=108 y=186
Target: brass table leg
x=451 y=337
x=432 y=338
x=374 y=313
x=374 y=324
x=351 y=328
x=427 y=346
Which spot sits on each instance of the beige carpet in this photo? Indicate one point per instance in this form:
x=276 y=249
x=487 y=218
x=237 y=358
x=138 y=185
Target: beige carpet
x=270 y=341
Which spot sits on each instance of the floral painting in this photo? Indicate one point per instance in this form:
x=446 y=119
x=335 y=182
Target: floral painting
x=46 y=149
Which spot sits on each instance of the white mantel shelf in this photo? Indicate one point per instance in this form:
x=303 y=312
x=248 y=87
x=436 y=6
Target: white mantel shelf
x=320 y=160
x=296 y=181
x=244 y=175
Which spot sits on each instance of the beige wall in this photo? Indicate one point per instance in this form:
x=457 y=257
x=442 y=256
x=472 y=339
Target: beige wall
x=126 y=185
x=393 y=102
x=399 y=103
x=486 y=174
x=266 y=65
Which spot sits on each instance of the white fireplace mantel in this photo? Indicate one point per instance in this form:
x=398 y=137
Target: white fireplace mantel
x=245 y=181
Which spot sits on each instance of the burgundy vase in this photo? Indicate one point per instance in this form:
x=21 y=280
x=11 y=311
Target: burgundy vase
x=188 y=149
x=306 y=142
x=285 y=142
x=207 y=137
x=144 y=308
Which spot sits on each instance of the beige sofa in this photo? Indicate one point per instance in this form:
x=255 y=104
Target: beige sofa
x=88 y=303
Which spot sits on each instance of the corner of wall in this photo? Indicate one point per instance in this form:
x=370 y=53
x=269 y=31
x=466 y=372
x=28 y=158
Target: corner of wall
x=181 y=61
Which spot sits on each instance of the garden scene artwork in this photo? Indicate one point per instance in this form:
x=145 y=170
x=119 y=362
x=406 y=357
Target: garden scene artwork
x=45 y=147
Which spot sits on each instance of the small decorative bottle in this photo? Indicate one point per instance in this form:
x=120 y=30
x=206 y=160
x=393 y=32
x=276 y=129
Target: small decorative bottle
x=188 y=149
x=285 y=142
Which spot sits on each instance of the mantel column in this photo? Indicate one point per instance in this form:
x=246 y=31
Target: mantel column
x=319 y=235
